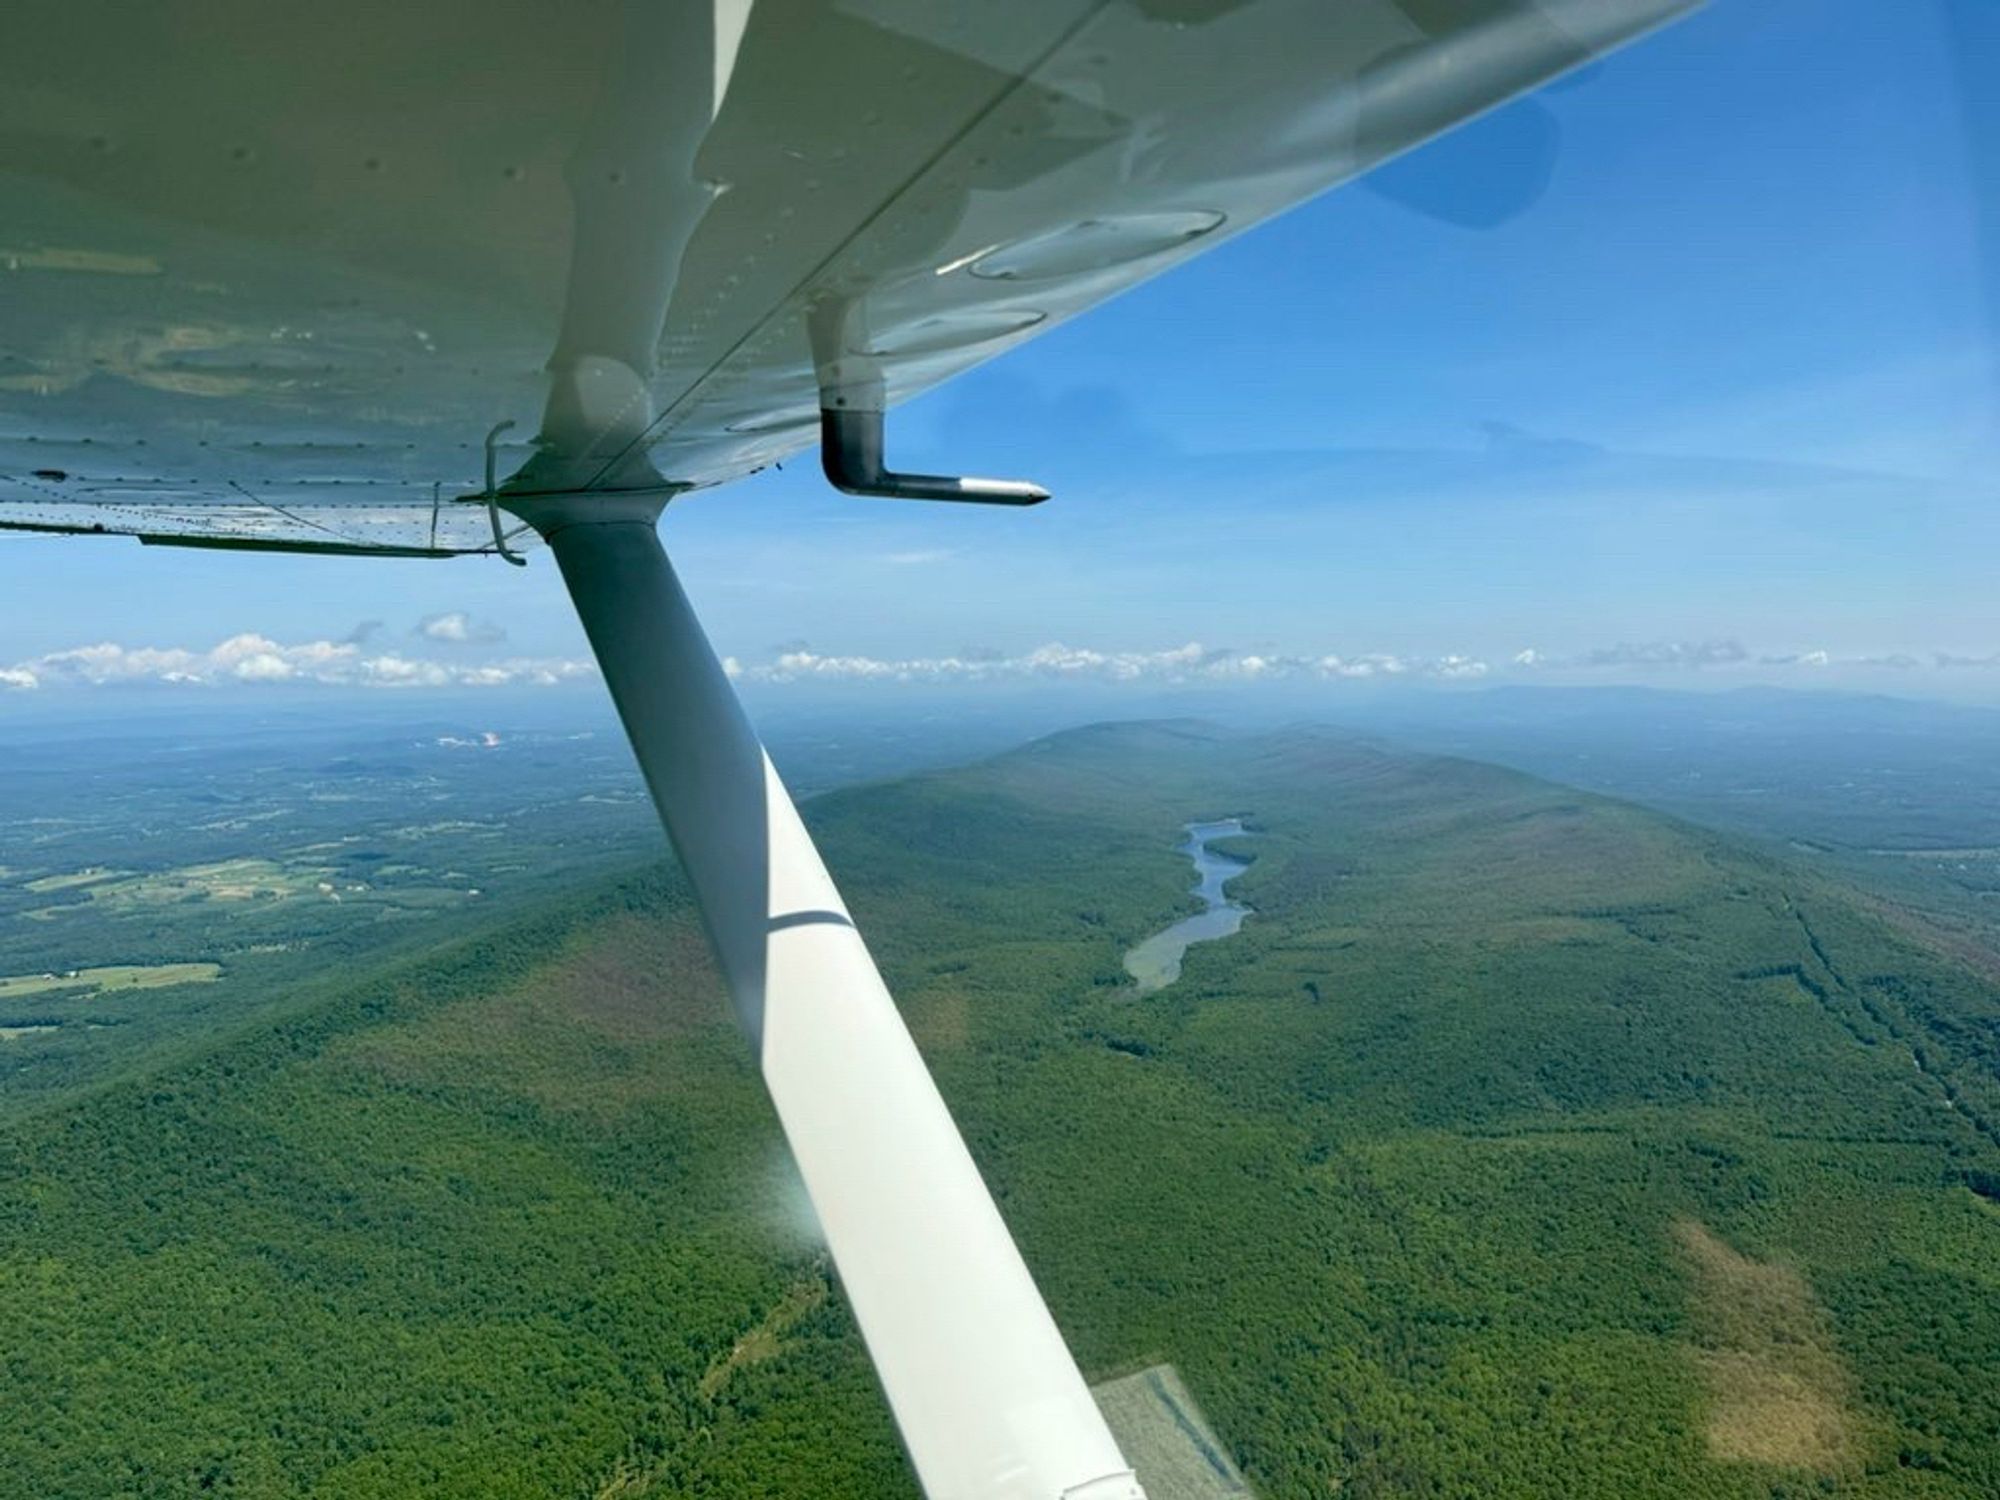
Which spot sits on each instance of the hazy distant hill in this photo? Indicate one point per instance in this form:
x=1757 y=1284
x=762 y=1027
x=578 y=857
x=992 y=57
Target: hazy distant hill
x=1523 y=1143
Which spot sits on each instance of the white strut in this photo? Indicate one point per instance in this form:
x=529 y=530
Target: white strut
x=985 y=1394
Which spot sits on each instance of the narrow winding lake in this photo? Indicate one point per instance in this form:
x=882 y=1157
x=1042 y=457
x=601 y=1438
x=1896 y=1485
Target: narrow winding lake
x=1156 y=963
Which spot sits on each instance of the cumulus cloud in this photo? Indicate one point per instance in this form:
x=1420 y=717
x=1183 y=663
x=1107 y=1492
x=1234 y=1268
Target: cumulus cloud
x=257 y=660
x=1642 y=656
x=1719 y=653
x=1361 y=666
x=457 y=628
x=251 y=660
x=362 y=633
x=1192 y=662
x=1699 y=655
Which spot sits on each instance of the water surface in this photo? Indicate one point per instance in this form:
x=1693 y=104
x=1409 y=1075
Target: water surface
x=1156 y=963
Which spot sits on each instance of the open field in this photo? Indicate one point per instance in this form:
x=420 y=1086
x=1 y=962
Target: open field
x=113 y=977
x=69 y=882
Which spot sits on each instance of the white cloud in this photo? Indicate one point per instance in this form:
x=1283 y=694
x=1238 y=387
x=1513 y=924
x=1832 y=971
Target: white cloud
x=256 y=660
x=1650 y=656
x=457 y=628
x=1362 y=666
x=1642 y=656
x=1195 y=663
x=398 y=671
x=263 y=667
x=1192 y=662
x=919 y=559
x=1716 y=653
x=251 y=660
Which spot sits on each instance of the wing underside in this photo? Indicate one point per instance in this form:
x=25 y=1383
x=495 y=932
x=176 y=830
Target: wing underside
x=272 y=273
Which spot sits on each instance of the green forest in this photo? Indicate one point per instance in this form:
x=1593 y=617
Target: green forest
x=1523 y=1143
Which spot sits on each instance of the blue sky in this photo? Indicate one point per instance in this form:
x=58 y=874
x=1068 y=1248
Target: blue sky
x=1710 y=400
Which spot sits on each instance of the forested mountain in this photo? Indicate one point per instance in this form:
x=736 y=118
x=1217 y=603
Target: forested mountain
x=1522 y=1143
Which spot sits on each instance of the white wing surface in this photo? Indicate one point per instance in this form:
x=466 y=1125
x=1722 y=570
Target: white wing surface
x=270 y=271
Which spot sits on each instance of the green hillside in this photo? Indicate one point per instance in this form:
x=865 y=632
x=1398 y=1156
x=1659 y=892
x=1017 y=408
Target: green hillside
x=1522 y=1143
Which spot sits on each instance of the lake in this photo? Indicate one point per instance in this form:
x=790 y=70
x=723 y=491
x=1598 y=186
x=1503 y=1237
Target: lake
x=1156 y=963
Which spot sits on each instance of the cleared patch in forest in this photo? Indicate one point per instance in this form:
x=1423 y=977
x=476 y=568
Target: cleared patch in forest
x=942 y=1021
x=1777 y=1393
x=767 y=1338
x=1166 y=1438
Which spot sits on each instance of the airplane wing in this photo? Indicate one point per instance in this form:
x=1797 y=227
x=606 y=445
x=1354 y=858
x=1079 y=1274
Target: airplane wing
x=273 y=271
x=422 y=279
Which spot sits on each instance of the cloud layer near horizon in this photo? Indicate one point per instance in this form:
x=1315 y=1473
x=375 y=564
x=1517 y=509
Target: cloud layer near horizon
x=1192 y=662
x=251 y=659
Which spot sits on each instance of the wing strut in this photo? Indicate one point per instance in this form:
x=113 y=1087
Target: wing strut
x=987 y=1398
